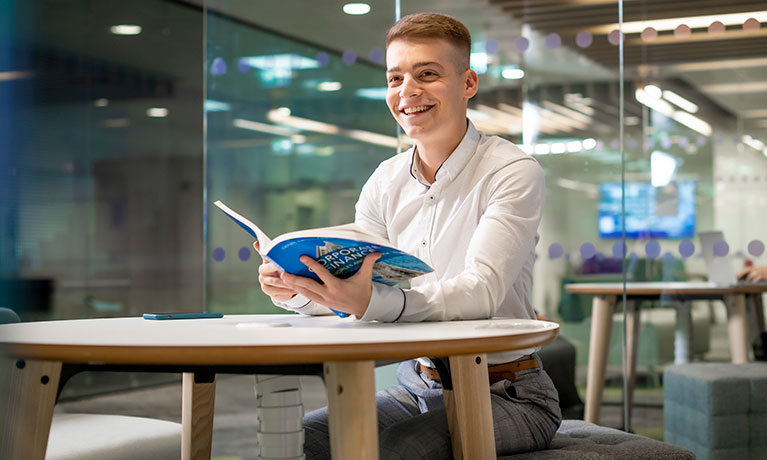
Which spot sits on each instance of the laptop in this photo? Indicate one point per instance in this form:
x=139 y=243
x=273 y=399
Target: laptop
x=718 y=268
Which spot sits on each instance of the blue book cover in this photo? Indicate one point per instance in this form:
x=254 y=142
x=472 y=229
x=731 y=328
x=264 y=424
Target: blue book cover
x=339 y=249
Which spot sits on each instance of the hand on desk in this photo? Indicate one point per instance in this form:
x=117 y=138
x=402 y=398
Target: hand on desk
x=350 y=295
x=753 y=273
x=271 y=283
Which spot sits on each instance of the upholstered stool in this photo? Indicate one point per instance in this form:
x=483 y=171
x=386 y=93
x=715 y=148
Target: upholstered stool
x=112 y=437
x=717 y=410
x=579 y=440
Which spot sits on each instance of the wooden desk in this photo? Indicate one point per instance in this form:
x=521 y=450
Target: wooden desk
x=32 y=356
x=606 y=296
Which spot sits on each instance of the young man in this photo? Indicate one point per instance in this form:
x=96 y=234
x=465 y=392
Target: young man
x=467 y=204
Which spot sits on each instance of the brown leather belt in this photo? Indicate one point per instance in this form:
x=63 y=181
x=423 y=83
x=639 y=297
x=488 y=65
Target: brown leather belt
x=496 y=373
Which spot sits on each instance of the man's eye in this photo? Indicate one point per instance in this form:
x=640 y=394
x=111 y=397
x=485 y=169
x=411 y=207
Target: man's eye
x=393 y=79
x=428 y=74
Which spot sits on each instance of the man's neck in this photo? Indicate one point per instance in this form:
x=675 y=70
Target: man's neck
x=433 y=153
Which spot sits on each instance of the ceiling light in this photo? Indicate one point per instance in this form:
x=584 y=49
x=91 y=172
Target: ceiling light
x=512 y=73
x=755 y=144
x=653 y=91
x=282 y=112
x=679 y=101
x=329 y=86
x=376 y=94
x=735 y=88
x=656 y=104
x=279 y=62
x=263 y=127
x=542 y=149
x=216 y=106
x=558 y=147
x=692 y=122
x=125 y=29
x=694 y=22
x=356 y=9
x=157 y=112
x=116 y=123
x=15 y=75
x=101 y=102
x=589 y=143
x=574 y=146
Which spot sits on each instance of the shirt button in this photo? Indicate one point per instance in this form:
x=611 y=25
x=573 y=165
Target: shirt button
x=423 y=243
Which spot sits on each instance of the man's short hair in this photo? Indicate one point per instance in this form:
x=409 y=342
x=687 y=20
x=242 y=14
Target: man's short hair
x=434 y=25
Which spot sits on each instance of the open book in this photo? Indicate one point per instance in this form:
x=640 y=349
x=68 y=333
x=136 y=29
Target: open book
x=339 y=249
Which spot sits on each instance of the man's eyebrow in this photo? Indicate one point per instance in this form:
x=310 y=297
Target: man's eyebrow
x=416 y=66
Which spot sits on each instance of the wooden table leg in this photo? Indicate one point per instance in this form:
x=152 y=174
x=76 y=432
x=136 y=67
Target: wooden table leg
x=683 y=333
x=633 y=321
x=197 y=406
x=27 y=396
x=599 y=345
x=352 y=412
x=737 y=328
x=469 y=415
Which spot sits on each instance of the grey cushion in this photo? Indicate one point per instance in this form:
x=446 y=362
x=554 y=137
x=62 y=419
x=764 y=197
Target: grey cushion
x=580 y=440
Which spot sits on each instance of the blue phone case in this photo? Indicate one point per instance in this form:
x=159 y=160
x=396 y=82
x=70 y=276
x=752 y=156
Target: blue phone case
x=200 y=315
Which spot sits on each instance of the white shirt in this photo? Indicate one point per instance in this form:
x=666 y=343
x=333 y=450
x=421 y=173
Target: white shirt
x=476 y=226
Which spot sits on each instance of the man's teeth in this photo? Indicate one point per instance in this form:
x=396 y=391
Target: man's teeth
x=420 y=108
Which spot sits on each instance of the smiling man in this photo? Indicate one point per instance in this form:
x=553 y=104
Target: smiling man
x=467 y=204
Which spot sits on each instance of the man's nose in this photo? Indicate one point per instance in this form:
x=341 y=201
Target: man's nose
x=409 y=87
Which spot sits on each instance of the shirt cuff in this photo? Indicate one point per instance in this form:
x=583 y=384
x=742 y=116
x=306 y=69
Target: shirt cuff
x=386 y=304
x=297 y=302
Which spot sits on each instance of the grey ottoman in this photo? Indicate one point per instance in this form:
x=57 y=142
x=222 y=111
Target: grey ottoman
x=578 y=440
x=717 y=410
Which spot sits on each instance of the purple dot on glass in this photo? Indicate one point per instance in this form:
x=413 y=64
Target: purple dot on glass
x=739 y=254
x=684 y=141
x=218 y=66
x=349 y=57
x=667 y=257
x=522 y=44
x=633 y=256
x=567 y=257
x=376 y=55
x=615 y=144
x=323 y=59
x=652 y=249
x=553 y=41
x=555 y=251
x=491 y=47
x=756 y=248
x=219 y=254
x=718 y=138
x=600 y=144
x=701 y=141
x=588 y=251
x=649 y=143
x=721 y=248
x=619 y=249
x=584 y=39
x=243 y=66
x=686 y=248
x=244 y=253
x=632 y=144
x=665 y=142
x=614 y=37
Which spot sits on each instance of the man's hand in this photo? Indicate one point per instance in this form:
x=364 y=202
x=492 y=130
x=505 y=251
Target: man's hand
x=271 y=283
x=753 y=273
x=350 y=295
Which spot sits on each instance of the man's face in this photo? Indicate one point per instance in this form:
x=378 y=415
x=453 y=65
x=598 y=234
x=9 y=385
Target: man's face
x=427 y=92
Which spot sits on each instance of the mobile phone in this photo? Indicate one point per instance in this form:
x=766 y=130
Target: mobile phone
x=199 y=315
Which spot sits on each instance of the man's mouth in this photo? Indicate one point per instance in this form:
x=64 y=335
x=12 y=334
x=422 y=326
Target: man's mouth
x=417 y=109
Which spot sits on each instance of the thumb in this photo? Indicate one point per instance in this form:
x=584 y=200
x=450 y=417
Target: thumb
x=367 y=265
x=257 y=247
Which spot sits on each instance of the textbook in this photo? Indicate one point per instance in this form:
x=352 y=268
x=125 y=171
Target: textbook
x=340 y=249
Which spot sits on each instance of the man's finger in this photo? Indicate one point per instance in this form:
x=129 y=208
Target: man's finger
x=366 y=270
x=296 y=282
x=318 y=269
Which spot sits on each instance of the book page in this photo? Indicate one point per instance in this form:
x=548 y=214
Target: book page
x=264 y=241
x=347 y=231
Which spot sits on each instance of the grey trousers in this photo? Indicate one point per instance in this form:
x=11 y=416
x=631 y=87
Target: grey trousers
x=412 y=423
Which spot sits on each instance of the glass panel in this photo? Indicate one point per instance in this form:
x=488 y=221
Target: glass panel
x=295 y=125
x=101 y=161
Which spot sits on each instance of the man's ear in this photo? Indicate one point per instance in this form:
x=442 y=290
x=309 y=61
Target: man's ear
x=471 y=84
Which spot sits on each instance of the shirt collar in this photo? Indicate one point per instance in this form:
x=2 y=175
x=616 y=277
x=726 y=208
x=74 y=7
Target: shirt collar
x=454 y=163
